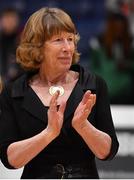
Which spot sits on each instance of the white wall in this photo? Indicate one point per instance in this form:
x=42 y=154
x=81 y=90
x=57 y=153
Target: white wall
x=123 y=116
x=9 y=174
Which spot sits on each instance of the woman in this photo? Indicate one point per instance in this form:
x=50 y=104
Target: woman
x=58 y=114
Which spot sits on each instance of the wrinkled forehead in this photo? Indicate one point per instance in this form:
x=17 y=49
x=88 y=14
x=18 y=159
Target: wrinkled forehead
x=63 y=35
x=55 y=25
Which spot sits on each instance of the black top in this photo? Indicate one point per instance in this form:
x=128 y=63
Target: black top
x=23 y=115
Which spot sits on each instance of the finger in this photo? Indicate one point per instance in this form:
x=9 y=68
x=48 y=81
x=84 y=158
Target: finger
x=53 y=102
x=62 y=107
x=91 y=101
x=85 y=112
x=87 y=107
x=86 y=96
x=94 y=99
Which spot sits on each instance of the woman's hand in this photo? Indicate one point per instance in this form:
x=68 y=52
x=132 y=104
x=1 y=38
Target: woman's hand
x=55 y=115
x=83 y=110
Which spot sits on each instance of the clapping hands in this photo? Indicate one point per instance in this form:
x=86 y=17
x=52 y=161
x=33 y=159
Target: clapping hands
x=56 y=115
x=83 y=110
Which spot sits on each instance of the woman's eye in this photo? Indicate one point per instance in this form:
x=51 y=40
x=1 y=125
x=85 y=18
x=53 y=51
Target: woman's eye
x=70 y=39
x=58 y=39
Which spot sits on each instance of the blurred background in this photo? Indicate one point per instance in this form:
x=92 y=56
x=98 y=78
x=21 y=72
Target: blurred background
x=106 y=28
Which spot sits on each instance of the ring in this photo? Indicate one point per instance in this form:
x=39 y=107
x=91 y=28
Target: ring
x=86 y=110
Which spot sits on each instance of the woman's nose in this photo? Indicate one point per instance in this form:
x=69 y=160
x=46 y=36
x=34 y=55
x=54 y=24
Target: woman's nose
x=66 y=45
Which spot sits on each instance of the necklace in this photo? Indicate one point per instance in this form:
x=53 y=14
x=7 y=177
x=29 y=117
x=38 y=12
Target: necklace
x=53 y=89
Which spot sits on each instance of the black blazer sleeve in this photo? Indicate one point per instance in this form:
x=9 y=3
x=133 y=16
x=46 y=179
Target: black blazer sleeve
x=8 y=126
x=103 y=115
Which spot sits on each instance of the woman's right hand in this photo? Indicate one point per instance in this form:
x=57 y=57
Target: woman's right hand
x=55 y=115
x=21 y=152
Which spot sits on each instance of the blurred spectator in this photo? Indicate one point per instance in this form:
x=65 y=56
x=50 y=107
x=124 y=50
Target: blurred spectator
x=125 y=7
x=0 y=84
x=9 y=36
x=111 y=5
x=131 y=16
x=112 y=56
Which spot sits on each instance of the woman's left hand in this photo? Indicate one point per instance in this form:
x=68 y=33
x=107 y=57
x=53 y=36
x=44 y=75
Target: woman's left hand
x=83 y=110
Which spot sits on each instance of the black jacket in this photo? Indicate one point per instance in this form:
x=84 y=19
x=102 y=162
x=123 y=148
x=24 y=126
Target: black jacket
x=23 y=115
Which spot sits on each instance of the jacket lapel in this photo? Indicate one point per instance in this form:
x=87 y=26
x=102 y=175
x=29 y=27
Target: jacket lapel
x=31 y=103
x=73 y=101
x=34 y=106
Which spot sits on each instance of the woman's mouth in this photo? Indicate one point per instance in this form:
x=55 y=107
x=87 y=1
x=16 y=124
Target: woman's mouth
x=65 y=60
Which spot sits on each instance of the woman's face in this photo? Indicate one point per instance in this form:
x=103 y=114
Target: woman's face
x=58 y=52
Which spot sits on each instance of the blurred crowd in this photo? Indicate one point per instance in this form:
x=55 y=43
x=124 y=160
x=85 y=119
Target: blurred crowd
x=111 y=51
x=9 y=39
x=112 y=57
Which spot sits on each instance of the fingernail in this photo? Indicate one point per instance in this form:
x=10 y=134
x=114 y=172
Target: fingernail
x=89 y=91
